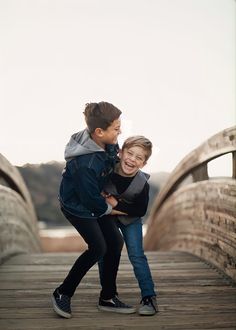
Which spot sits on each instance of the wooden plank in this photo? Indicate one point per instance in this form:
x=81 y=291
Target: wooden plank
x=191 y=295
x=67 y=258
x=106 y=321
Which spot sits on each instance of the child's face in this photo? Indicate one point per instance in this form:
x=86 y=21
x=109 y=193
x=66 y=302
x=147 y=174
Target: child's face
x=132 y=159
x=110 y=135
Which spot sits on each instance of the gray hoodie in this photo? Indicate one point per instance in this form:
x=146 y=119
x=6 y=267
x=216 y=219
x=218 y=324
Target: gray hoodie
x=80 y=144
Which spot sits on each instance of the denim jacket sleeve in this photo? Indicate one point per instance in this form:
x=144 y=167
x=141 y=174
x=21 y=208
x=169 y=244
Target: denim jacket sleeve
x=87 y=188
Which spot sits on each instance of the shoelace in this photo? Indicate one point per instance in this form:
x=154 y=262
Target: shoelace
x=119 y=303
x=147 y=301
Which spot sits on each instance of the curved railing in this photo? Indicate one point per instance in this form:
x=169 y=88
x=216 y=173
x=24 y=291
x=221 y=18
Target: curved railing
x=18 y=222
x=200 y=217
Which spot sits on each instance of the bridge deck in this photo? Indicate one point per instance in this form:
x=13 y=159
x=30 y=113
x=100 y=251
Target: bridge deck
x=192 y=295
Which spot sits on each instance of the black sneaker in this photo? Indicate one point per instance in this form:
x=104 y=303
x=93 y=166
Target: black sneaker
x=148 y=306
x=116 y=306
x=61 y=304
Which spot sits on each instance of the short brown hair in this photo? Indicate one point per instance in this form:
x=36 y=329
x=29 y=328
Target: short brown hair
x=100 y=115
x=138 y=141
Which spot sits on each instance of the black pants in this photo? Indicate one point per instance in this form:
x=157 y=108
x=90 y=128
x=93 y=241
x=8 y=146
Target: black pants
x=104 y=242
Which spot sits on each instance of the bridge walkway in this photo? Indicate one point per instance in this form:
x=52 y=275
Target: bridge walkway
x=192 y=294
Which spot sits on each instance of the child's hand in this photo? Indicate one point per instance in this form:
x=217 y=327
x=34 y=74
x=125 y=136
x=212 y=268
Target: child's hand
x=105 y=194
x=115 y=212
x=111 y=200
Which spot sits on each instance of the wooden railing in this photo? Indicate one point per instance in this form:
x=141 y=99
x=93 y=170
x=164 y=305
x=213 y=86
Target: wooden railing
x=18 y=222
x=199 y=217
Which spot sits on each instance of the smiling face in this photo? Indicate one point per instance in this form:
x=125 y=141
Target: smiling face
x=110 y=135
x=107 y=136
x=131 y=160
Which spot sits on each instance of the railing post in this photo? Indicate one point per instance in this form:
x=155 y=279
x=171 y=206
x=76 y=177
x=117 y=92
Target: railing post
x=200 y=173
x=234 y=164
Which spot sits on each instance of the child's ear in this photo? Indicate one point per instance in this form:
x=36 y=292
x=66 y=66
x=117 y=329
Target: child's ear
x=144 y=163
x=99 y=132
x=120 y=153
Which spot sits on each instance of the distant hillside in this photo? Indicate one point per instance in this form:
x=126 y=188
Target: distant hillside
x=43 y=182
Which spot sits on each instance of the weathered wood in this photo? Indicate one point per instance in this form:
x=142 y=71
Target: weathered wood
x=222 y=143
x=18 y=223
x=234 y=164
x=200 y=173
x=191 y=294
x=199 y=217
x=204 y=224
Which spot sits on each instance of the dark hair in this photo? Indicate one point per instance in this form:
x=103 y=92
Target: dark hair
x=100 y=115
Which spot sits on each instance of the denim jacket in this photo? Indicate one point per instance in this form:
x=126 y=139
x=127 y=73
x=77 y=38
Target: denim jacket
x=87 y=170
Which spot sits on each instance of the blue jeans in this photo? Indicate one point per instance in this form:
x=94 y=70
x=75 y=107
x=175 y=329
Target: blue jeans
x=133 y=237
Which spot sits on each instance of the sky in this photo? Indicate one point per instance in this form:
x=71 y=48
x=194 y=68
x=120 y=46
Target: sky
x=168 y=65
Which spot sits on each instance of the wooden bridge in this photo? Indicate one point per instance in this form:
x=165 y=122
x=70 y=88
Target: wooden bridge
x=191 y=243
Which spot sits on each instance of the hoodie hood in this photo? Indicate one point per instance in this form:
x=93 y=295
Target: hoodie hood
x=80 y=144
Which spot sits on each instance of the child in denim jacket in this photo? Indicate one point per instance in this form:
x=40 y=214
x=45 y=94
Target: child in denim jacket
x=90 y=157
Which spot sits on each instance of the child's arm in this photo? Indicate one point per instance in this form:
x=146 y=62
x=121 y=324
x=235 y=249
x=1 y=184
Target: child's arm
x=113 y=202
x=116 y=212
x=87 y=188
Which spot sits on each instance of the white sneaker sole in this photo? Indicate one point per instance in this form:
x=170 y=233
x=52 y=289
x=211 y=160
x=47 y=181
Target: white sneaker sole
x=58 y=310
x=117 y=310
x=147 y=312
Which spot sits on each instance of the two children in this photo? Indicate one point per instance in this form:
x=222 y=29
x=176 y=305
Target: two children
x=91 y=156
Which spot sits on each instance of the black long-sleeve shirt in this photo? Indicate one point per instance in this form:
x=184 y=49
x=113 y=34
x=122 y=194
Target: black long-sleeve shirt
x=139 y=206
